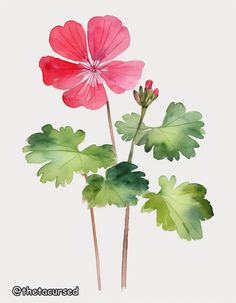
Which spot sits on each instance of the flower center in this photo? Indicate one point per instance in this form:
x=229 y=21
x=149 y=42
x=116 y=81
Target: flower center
x=92 y=73
x=93 y=69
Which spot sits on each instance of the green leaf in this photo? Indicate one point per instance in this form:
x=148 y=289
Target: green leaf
x=128 y=128
x=59 y=150
x=179 y=208
x=120 y=186
x=175 y=135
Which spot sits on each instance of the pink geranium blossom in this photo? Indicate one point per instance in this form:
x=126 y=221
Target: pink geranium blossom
x=84 y=80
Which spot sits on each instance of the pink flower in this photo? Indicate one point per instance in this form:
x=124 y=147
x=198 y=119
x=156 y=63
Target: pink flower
x=84 y=80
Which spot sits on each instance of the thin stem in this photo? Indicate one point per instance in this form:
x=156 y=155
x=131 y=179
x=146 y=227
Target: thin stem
x=111 y=129
x=96 y=249
x=127 y=212
x=125 y=249
x=143 y=112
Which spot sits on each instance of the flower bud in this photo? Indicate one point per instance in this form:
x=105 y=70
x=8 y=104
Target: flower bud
x=140 y=91
x=144 y=97
x=156 y=92
x=136 y=97
x=148 y=84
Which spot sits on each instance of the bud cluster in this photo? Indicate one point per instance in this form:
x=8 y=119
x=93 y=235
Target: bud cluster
x=144 y=97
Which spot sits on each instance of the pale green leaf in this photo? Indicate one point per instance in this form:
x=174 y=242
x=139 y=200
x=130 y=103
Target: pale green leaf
x=175 y=136
x=58 y=149
x=128 y=127
x=180 y=208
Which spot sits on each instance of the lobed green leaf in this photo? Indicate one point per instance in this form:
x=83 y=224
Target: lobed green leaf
x=180 y=208
x=120 y=187
x=58 y=149
x=174 y=137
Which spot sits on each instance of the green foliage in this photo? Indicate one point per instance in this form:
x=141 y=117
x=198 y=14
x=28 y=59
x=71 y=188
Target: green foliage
x=179 y=208
x=128 y=128
x=120 y=186
x=59 y=150
x=173 y=137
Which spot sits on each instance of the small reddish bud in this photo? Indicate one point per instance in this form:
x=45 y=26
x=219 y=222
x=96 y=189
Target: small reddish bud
x=144 y=97
x=148 y=84
x=156 y=92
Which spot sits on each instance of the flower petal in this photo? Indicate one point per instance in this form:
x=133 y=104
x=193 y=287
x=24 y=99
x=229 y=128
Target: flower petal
x=87 y=95
x=69 y=41
x=59 y=73
x=107 y=38
x=121 y=76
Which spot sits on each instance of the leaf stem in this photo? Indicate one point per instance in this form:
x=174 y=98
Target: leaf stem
x=127 y=212
x=95 y=242
x=96 y=250
x=125 y=249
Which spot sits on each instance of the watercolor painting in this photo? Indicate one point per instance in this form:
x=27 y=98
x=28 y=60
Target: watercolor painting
x=85 y=71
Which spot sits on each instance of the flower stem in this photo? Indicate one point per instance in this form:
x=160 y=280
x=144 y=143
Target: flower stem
x=127 y=212
x=111 y=129
x=95 y=242
x=143 y=112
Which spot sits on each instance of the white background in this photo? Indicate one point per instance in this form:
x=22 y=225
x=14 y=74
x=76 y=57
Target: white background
x=46 y=240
